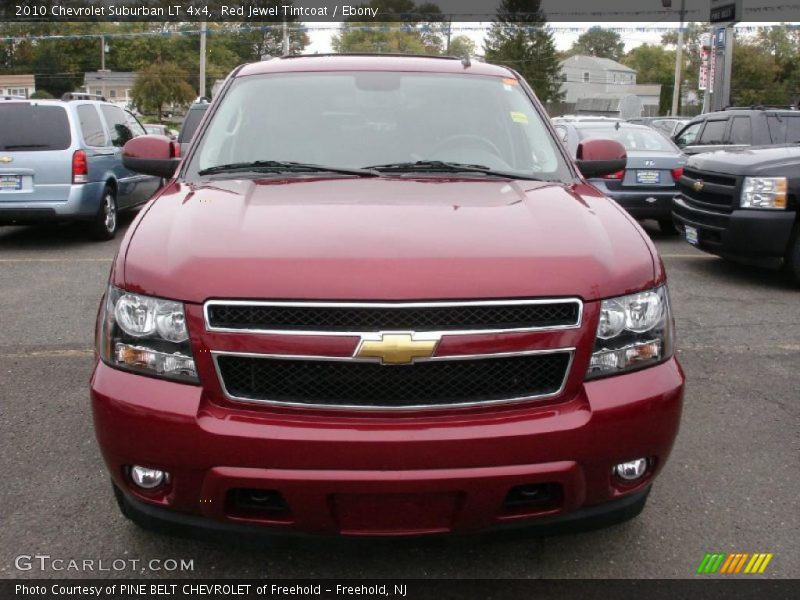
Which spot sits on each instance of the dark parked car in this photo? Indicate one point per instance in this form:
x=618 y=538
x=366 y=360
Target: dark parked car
x=743 y=205
x=739 y=128
x=648 y=183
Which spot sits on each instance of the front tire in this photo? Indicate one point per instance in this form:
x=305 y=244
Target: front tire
x=104 y=225
x=667 y=226
x=792 y=265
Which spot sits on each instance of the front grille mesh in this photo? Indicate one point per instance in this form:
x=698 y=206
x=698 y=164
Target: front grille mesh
x=370 y=385
x=719 y=192
x=333 y=318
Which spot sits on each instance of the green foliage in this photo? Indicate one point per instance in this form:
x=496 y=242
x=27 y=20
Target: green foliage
x=406 y=28
x=41 y=95
x=160 y=84
x=599 y=42
x=461 y=45
x=517 y=38
x=654 y=64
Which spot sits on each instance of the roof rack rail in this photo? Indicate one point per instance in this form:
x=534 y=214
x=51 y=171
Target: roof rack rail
x=378 y=54
x=764 y=107
x=81 y=96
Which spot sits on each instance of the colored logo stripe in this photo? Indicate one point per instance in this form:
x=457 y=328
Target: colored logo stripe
x=734 y=563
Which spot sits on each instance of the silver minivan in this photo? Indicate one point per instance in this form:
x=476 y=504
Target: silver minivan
x=61 y=160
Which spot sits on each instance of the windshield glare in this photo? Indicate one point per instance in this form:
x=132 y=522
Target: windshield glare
x=373 y=118
x=630 y=137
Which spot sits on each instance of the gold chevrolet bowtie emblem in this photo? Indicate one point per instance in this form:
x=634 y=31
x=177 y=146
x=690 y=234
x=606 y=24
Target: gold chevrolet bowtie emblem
x=5 y=159
x=698 y=185
x=396 y=349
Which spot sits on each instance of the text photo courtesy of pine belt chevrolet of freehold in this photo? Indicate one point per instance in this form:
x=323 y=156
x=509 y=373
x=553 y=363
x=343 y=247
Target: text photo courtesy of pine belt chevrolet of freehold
x=371 y=311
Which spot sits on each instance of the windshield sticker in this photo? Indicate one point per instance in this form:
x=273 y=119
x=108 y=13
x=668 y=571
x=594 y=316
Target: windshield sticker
x=519 y=117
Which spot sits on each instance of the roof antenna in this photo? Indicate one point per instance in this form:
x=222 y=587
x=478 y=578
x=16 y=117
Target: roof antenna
x=465 y=61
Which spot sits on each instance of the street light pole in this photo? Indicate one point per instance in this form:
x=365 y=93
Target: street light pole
x=202 y=86
x=676 y=91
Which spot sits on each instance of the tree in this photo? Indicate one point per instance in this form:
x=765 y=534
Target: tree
x=406 y=28
x=461 y=45
x=692 y=40
x=755 y=75
x=159 y=84
x=599 y=42
x=654 y=64
x=520 y=39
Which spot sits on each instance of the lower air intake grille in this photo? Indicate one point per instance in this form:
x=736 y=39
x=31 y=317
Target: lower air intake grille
x=371 y=385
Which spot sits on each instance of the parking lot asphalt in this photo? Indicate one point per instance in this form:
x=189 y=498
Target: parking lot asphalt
x=731 y=485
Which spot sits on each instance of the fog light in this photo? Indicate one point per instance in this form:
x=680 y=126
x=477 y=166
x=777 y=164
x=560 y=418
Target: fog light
x=631 y=470
x=146 y=478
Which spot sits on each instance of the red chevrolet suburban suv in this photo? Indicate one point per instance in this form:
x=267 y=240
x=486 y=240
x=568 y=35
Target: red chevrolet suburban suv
x=377 y=297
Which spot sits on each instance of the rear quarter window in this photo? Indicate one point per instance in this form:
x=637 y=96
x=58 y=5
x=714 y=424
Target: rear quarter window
x=792 y=129
x=31 y=127
x=91 y=127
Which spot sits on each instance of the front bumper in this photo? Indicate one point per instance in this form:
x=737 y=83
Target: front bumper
x=380 y=476
x=754 y=235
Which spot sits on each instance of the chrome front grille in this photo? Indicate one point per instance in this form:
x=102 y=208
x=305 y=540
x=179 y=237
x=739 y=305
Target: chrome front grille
x=373 y=373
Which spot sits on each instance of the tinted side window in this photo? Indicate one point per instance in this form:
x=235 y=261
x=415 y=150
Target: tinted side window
x=32 y=127
x=777 y=129
x=792 y=129
x=134 y=125
x=741 y=131
x=190 y=123
x=689 y=135
x=714 y=132
x=117 y=125
x=92 y=128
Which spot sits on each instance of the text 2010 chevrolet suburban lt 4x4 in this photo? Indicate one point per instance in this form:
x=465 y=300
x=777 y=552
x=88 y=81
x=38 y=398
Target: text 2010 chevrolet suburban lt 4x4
x=377 y=298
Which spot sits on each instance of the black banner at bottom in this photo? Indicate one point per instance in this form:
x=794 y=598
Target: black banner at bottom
x=411 y=589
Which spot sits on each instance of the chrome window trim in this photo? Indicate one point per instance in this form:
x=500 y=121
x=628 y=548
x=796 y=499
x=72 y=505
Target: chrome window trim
x=432 y=304
x=427 y=407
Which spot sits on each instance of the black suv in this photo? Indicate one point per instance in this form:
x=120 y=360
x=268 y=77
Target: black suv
x=743 y=204
x=739 y=128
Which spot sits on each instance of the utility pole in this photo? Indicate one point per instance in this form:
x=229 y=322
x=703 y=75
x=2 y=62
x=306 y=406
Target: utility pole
x=203 y=29
x=102 y=52
x=285 y=38
x=676 y=90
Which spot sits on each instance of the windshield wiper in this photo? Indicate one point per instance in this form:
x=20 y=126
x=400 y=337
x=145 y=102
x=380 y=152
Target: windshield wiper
x=279 y=166
x=439 y=166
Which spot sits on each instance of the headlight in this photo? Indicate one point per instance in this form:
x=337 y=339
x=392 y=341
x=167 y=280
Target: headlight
x=146 y=335
x=764 y=192
x=633 y=332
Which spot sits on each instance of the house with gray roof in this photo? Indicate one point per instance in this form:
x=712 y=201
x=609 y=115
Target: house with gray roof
x=115 y=86
x=589 y=77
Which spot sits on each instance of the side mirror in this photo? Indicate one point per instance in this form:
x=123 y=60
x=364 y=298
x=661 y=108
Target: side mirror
x=598 y=157
x=151 y=155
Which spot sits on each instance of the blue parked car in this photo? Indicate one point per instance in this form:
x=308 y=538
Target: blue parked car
x=61 y=160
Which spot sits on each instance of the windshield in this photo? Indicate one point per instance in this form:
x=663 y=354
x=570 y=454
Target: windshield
x=32 y=127
x=633 y=138
x=372 y=119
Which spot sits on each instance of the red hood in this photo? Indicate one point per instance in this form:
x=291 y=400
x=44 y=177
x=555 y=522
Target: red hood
x=388 y=238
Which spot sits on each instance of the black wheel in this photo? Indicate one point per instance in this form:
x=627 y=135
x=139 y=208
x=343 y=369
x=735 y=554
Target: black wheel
x=667 y=226
x=104 y=226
